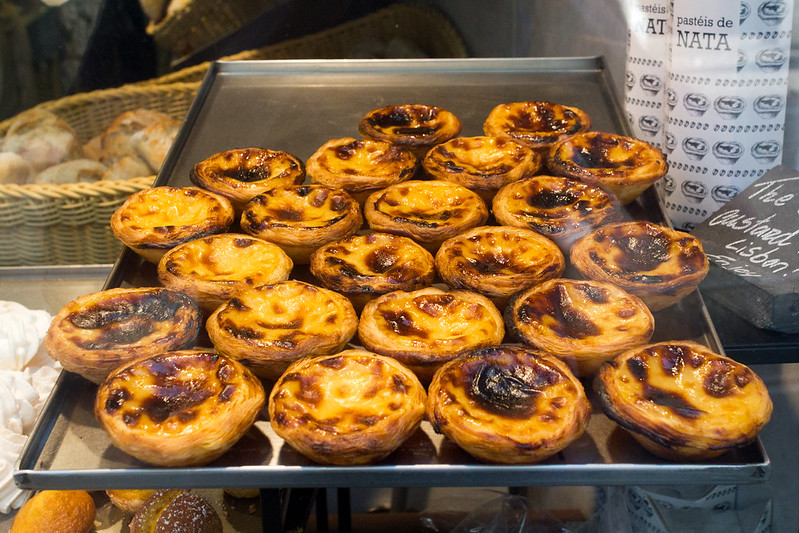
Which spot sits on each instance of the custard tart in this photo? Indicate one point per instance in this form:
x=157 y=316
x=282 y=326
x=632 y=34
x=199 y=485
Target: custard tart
x=623 y=165
x=268 y=327
x=365 y=266
x=428 y=212
x=482 y=164
x=498 y=261
x=415 y=127
x=658 y=264
x=360 y=166
x=539 y=125
x=560 y=208
x=349 y=408
x=682 y=401
x=427 y=327
x=97 y=332
x=152 y=221
x=244 y=173
x=214 y=269
x=583 y=322
x=301 y=218
x=180 y=408
x=508 y=404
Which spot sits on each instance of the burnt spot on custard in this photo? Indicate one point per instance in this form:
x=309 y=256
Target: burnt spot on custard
x=126 y=319
x=401 y=323
x=673 y=401
x=552 y=199
x=381 y=259
x=542 y=121
x=247 y=165
x=638 y=368
x=511 y=389
x=240 y=331
x=116 y=399
x=347 y=151
x=593 y=152
x=569 y=322
x=642 y=250
x=172 y=395
x=416 y=120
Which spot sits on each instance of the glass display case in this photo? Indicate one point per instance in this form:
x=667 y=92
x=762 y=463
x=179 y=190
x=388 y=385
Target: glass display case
x=466 y=57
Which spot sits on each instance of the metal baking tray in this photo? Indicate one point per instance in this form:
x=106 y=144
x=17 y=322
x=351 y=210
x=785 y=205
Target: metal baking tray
x=297 y=106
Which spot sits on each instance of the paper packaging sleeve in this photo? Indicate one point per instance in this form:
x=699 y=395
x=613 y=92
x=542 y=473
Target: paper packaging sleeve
x=723 y=111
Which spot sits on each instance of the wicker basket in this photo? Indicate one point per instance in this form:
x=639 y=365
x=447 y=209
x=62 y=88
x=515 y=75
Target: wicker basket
x=428 y=29
x=203 y=22
x=69 y=224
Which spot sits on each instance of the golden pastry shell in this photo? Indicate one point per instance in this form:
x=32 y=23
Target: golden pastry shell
x=427 y=327
x=682 y=401
x=498 y=261
x=428 y=212
x=243 y=173
x=482 y=164
x=301 y=218
x=154 y=220
x=560 y=208
x=268 y=327
x=624 y=165
x=97 y=332
x=508 y=404
x=181 y=408
x=657 y=263
x=360 y=166
x=537 y=124
x=373 y=263
x=416 y=127
x=582 y=321
x=353 y=407
x=213 y=269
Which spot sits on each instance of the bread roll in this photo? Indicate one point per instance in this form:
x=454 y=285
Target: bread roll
x=56 y=511
x=15 y=169
x=42 y=138
x=77 y=170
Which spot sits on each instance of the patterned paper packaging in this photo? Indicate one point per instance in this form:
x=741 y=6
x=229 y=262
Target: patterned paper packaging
x=645 y=79
x=725 y=101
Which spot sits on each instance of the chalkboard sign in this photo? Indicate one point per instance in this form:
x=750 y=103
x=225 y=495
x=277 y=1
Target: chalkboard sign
x=753 y=246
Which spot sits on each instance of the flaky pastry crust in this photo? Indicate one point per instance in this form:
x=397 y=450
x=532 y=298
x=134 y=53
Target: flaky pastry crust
x=624 y=165
x=682 y=401
x=349 y=408
x=416 y=127
x=538 y=125
x=658 y=264
x=214 y=269
x=427 y=327
x=498 y=261
x=243 y=173
x=95 y=333
x=428 y=212
x=181 y=408
x=560 y=208
x=363 y=266
x=482 y=164
x=301 y=218
x=508 y=404
x=360 y=166
x=583 y=322
x=152 y=221
x=268 y=327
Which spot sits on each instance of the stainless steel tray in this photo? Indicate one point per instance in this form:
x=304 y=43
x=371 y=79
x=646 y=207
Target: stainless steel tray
x=297 y=106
